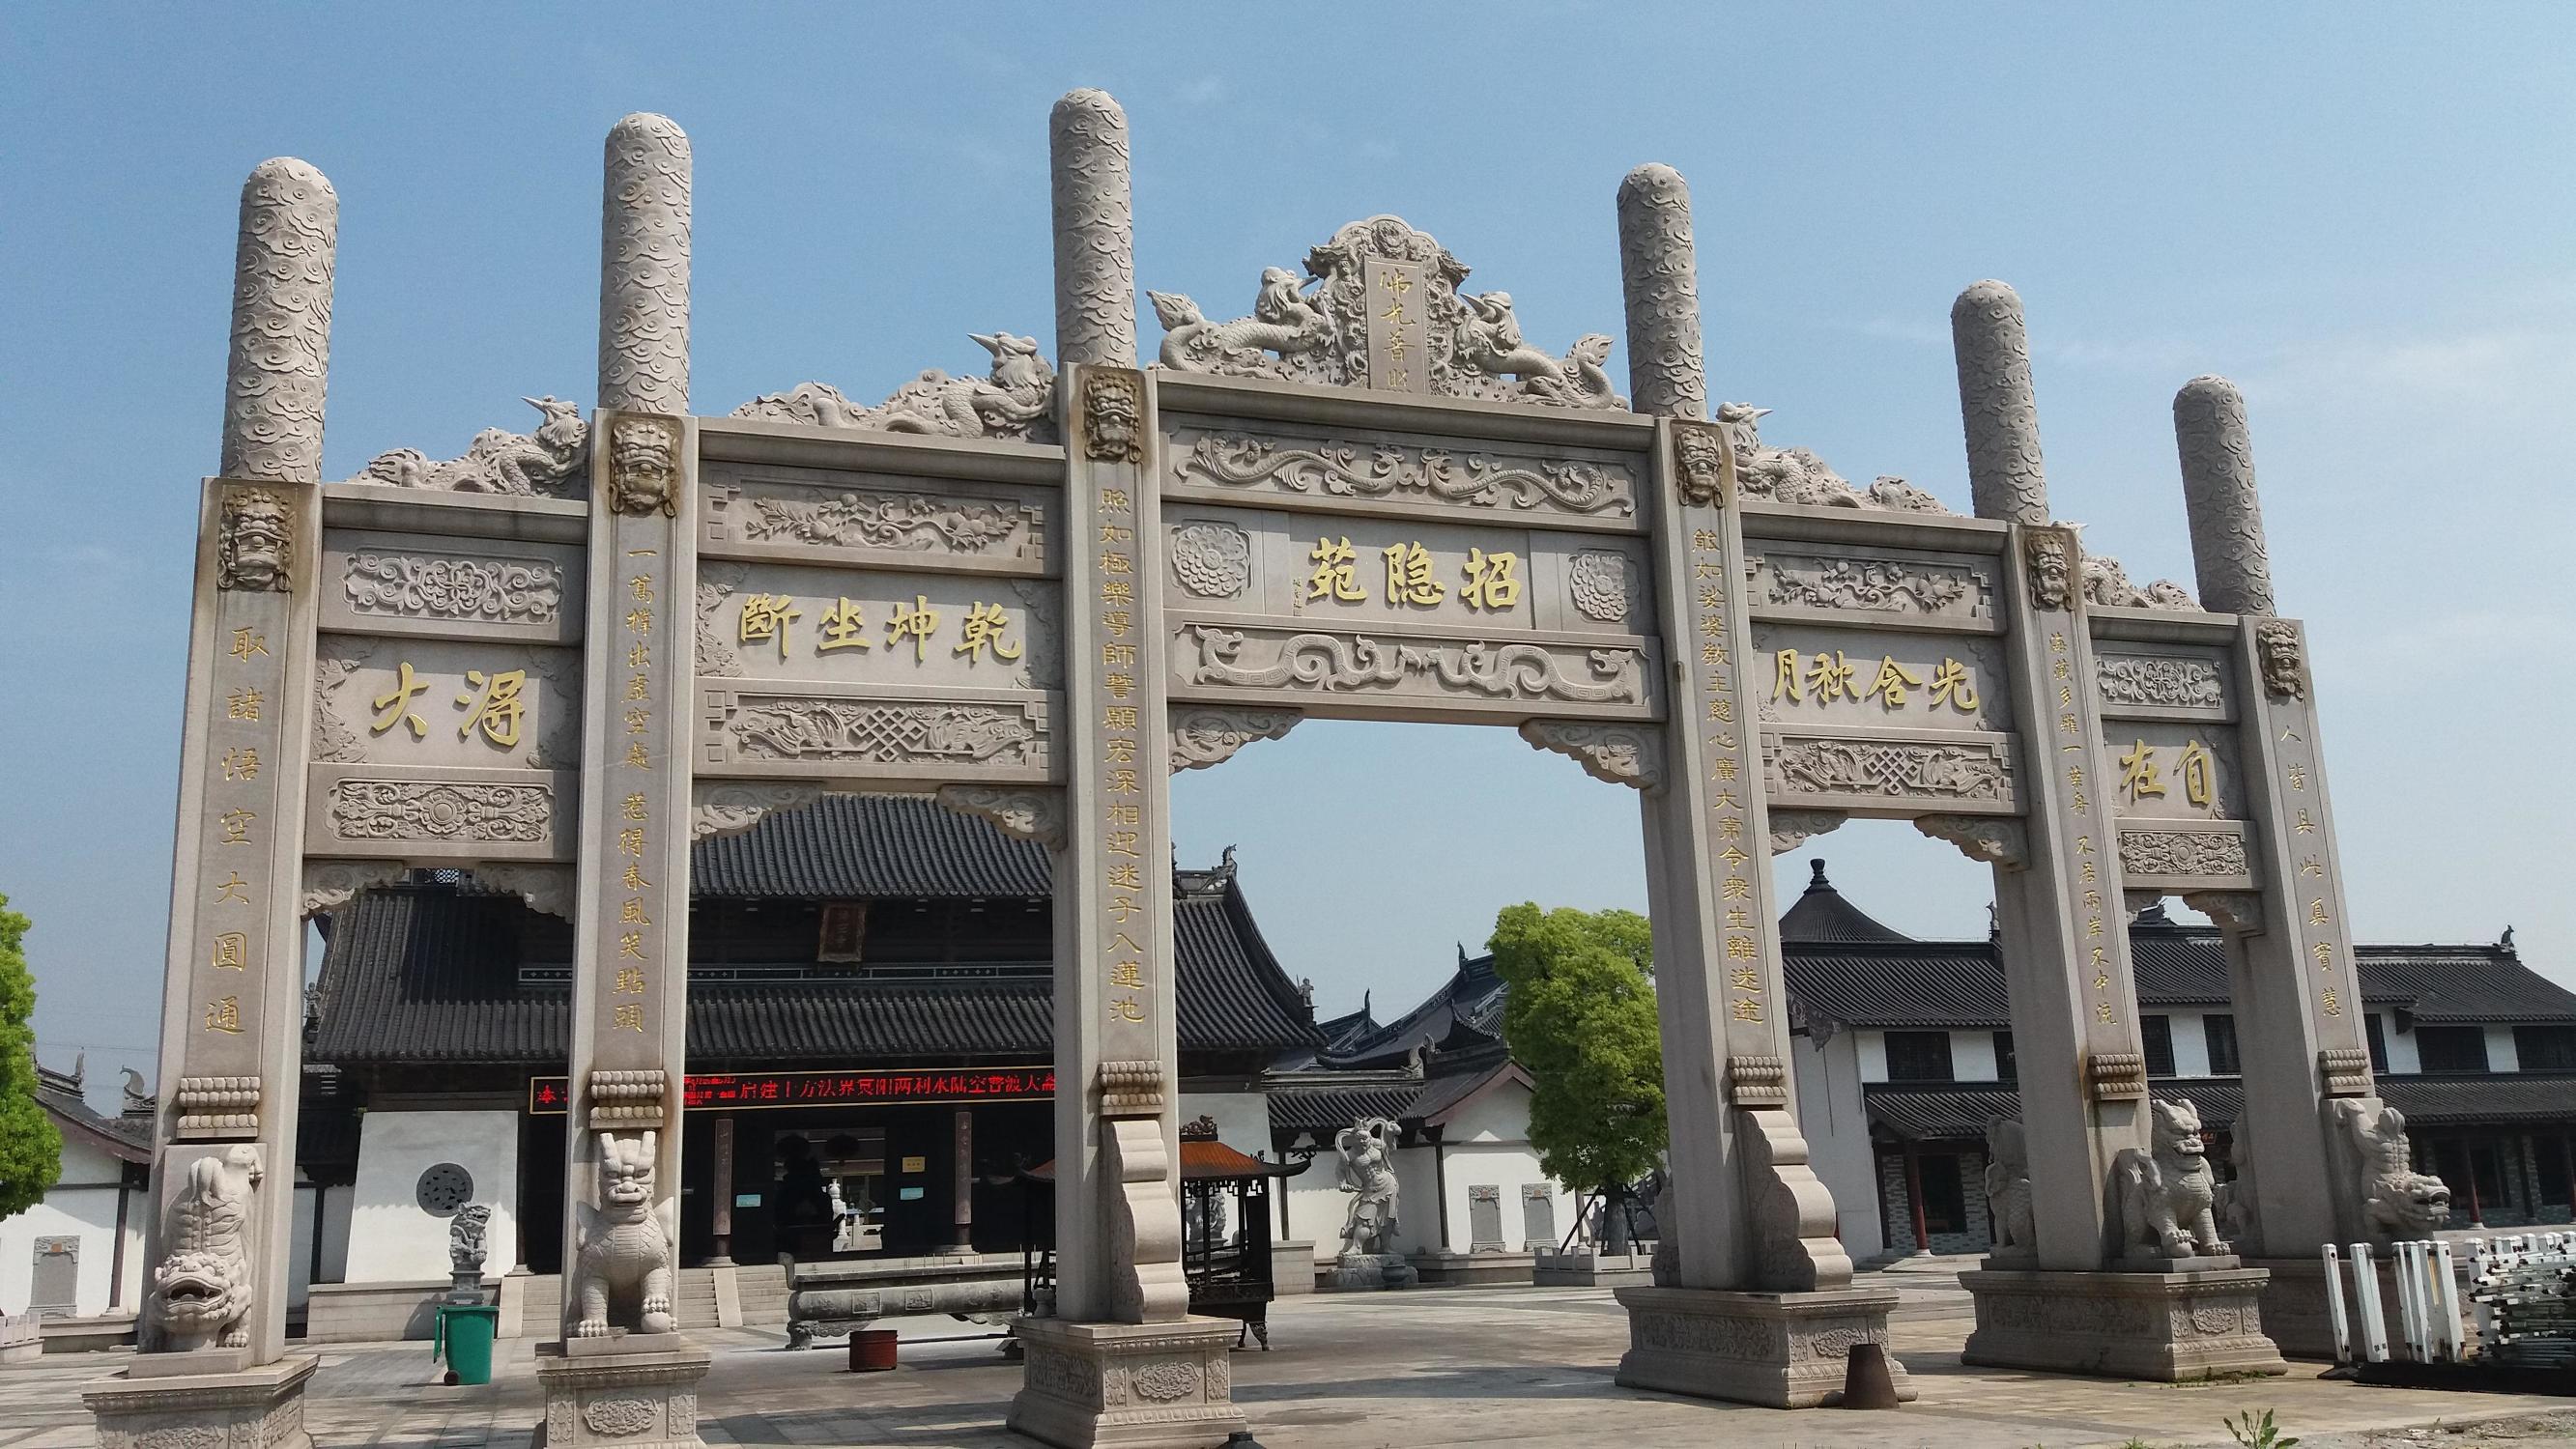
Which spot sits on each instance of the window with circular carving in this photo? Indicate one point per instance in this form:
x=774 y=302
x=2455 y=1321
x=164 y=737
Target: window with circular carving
x=444 y=1188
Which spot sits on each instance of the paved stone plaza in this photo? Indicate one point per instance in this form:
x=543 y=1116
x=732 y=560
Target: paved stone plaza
x=1461 y=1366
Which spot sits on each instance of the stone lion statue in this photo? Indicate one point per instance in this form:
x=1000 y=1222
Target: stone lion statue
x=201 y=1292
x=623 y=1275
x=2167 y=1197
x=2008 y=1185
x=2398 y=1204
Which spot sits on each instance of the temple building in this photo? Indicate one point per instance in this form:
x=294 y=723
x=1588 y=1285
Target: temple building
x=870 y=997
x=1905 y=1054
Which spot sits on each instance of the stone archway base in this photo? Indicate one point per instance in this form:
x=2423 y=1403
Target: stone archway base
x=1779 y=1350
x=2161 y=1327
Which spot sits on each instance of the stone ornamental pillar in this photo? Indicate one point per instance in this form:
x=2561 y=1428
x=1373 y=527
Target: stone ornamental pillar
x=644 y=268
x=1997 y=405
x=622 y=1372
x=1659 y=275
x=2314 y=1135
x=1758 y=1292
x=213 y=1328
x=1095 y=243
x=1118 y=1357
x=2085 y=1294
x=2233 y=567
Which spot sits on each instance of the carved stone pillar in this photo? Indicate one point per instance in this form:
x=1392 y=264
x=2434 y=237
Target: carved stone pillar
x=622 y=1370
x=1760 y=1287
x=1120 y=1359
x=2235 y=571
x=217 y=1243
x=644 y=268
x=1659 y=272
x=2064 y=940
x=1095 y=242
x=1997 y=406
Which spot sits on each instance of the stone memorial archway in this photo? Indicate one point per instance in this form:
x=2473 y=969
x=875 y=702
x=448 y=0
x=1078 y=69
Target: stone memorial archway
x=1034 y=593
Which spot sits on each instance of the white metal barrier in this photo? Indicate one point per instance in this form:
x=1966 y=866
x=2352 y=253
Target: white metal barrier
x=2522 y=1293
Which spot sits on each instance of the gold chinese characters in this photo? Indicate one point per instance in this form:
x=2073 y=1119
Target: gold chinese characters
x=1488 y=582
x=983 y=632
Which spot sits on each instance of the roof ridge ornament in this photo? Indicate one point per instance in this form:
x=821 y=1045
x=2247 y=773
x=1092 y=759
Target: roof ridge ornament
x=1383 y=310
x=1016 y=401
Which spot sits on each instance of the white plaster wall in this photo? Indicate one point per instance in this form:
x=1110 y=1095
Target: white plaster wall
x=1417 y=1203
x=1972 y=1056
x=1489 y=1144
x=1872 y=1047
x=2403 y=1060
x=334 y=1227
x=1837 y=1132
x=2502 y=1054
x=81 y=1204
x=2190 y=1044
x=391 y=1239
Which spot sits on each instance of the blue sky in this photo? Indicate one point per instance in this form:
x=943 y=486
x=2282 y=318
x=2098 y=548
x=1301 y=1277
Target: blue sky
x=2362 y=215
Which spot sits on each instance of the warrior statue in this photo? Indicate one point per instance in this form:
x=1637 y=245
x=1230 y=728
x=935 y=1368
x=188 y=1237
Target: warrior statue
x=2167 y=1198
x=623 y=1274
x=201 y=1292
x=1368 y=1175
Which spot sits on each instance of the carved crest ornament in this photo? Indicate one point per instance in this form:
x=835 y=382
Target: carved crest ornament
x=1463 y=344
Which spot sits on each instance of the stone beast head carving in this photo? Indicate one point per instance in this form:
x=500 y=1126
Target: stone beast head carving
x=1704 y=464
x=2051 y=570
x=2276 y=651
x=201 y=1291
x=256 y=547
x=1112 y=407
x=644 y=467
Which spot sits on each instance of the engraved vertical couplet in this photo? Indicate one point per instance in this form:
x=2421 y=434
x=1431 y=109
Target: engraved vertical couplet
x=630 y=924
x=1117 y=1199
x=1659 y=273
x=2064 y=938
x=1095 y=241
x=1997 y=406
x=2227 y=549
x=281 y=351
x=644 y=268
x=2297 y=991
x=232 y=1009
x=1719 y=996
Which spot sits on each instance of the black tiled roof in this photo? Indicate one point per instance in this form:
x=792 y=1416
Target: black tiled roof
x=1465 y=1014
x=429 y=972
x=1960 y=1112
x=128 y=1138
x=1821 y=914
x=1932 y=984
x=1328 y=1110
x=870 y=847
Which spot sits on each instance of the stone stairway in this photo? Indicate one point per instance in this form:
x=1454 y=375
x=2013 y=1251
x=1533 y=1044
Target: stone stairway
x=762 y=1291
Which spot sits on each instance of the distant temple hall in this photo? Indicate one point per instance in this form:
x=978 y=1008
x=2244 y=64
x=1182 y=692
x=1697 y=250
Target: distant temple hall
x=869 y=1039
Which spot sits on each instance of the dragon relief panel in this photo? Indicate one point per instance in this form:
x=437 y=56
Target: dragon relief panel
x=1393 y=471
x=1381 y=307
x=782 y=516
x=1016 y=401
x=1908 y=587
x=1975 y=770
x=552 y=462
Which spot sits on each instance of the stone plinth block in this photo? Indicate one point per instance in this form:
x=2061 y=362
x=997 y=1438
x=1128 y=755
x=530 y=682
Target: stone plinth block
x=1780 y=1350
x=261 y=1406
x=637 y=1391
x=2294 y=1303
x=2163 y=1327
x=1160 y=1385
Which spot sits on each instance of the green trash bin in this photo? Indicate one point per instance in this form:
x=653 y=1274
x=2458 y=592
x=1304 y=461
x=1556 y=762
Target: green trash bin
x=464 y=1338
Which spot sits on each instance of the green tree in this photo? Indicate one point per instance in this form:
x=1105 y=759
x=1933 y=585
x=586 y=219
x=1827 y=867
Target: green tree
x=1581 y=1018
x=31 y=1151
